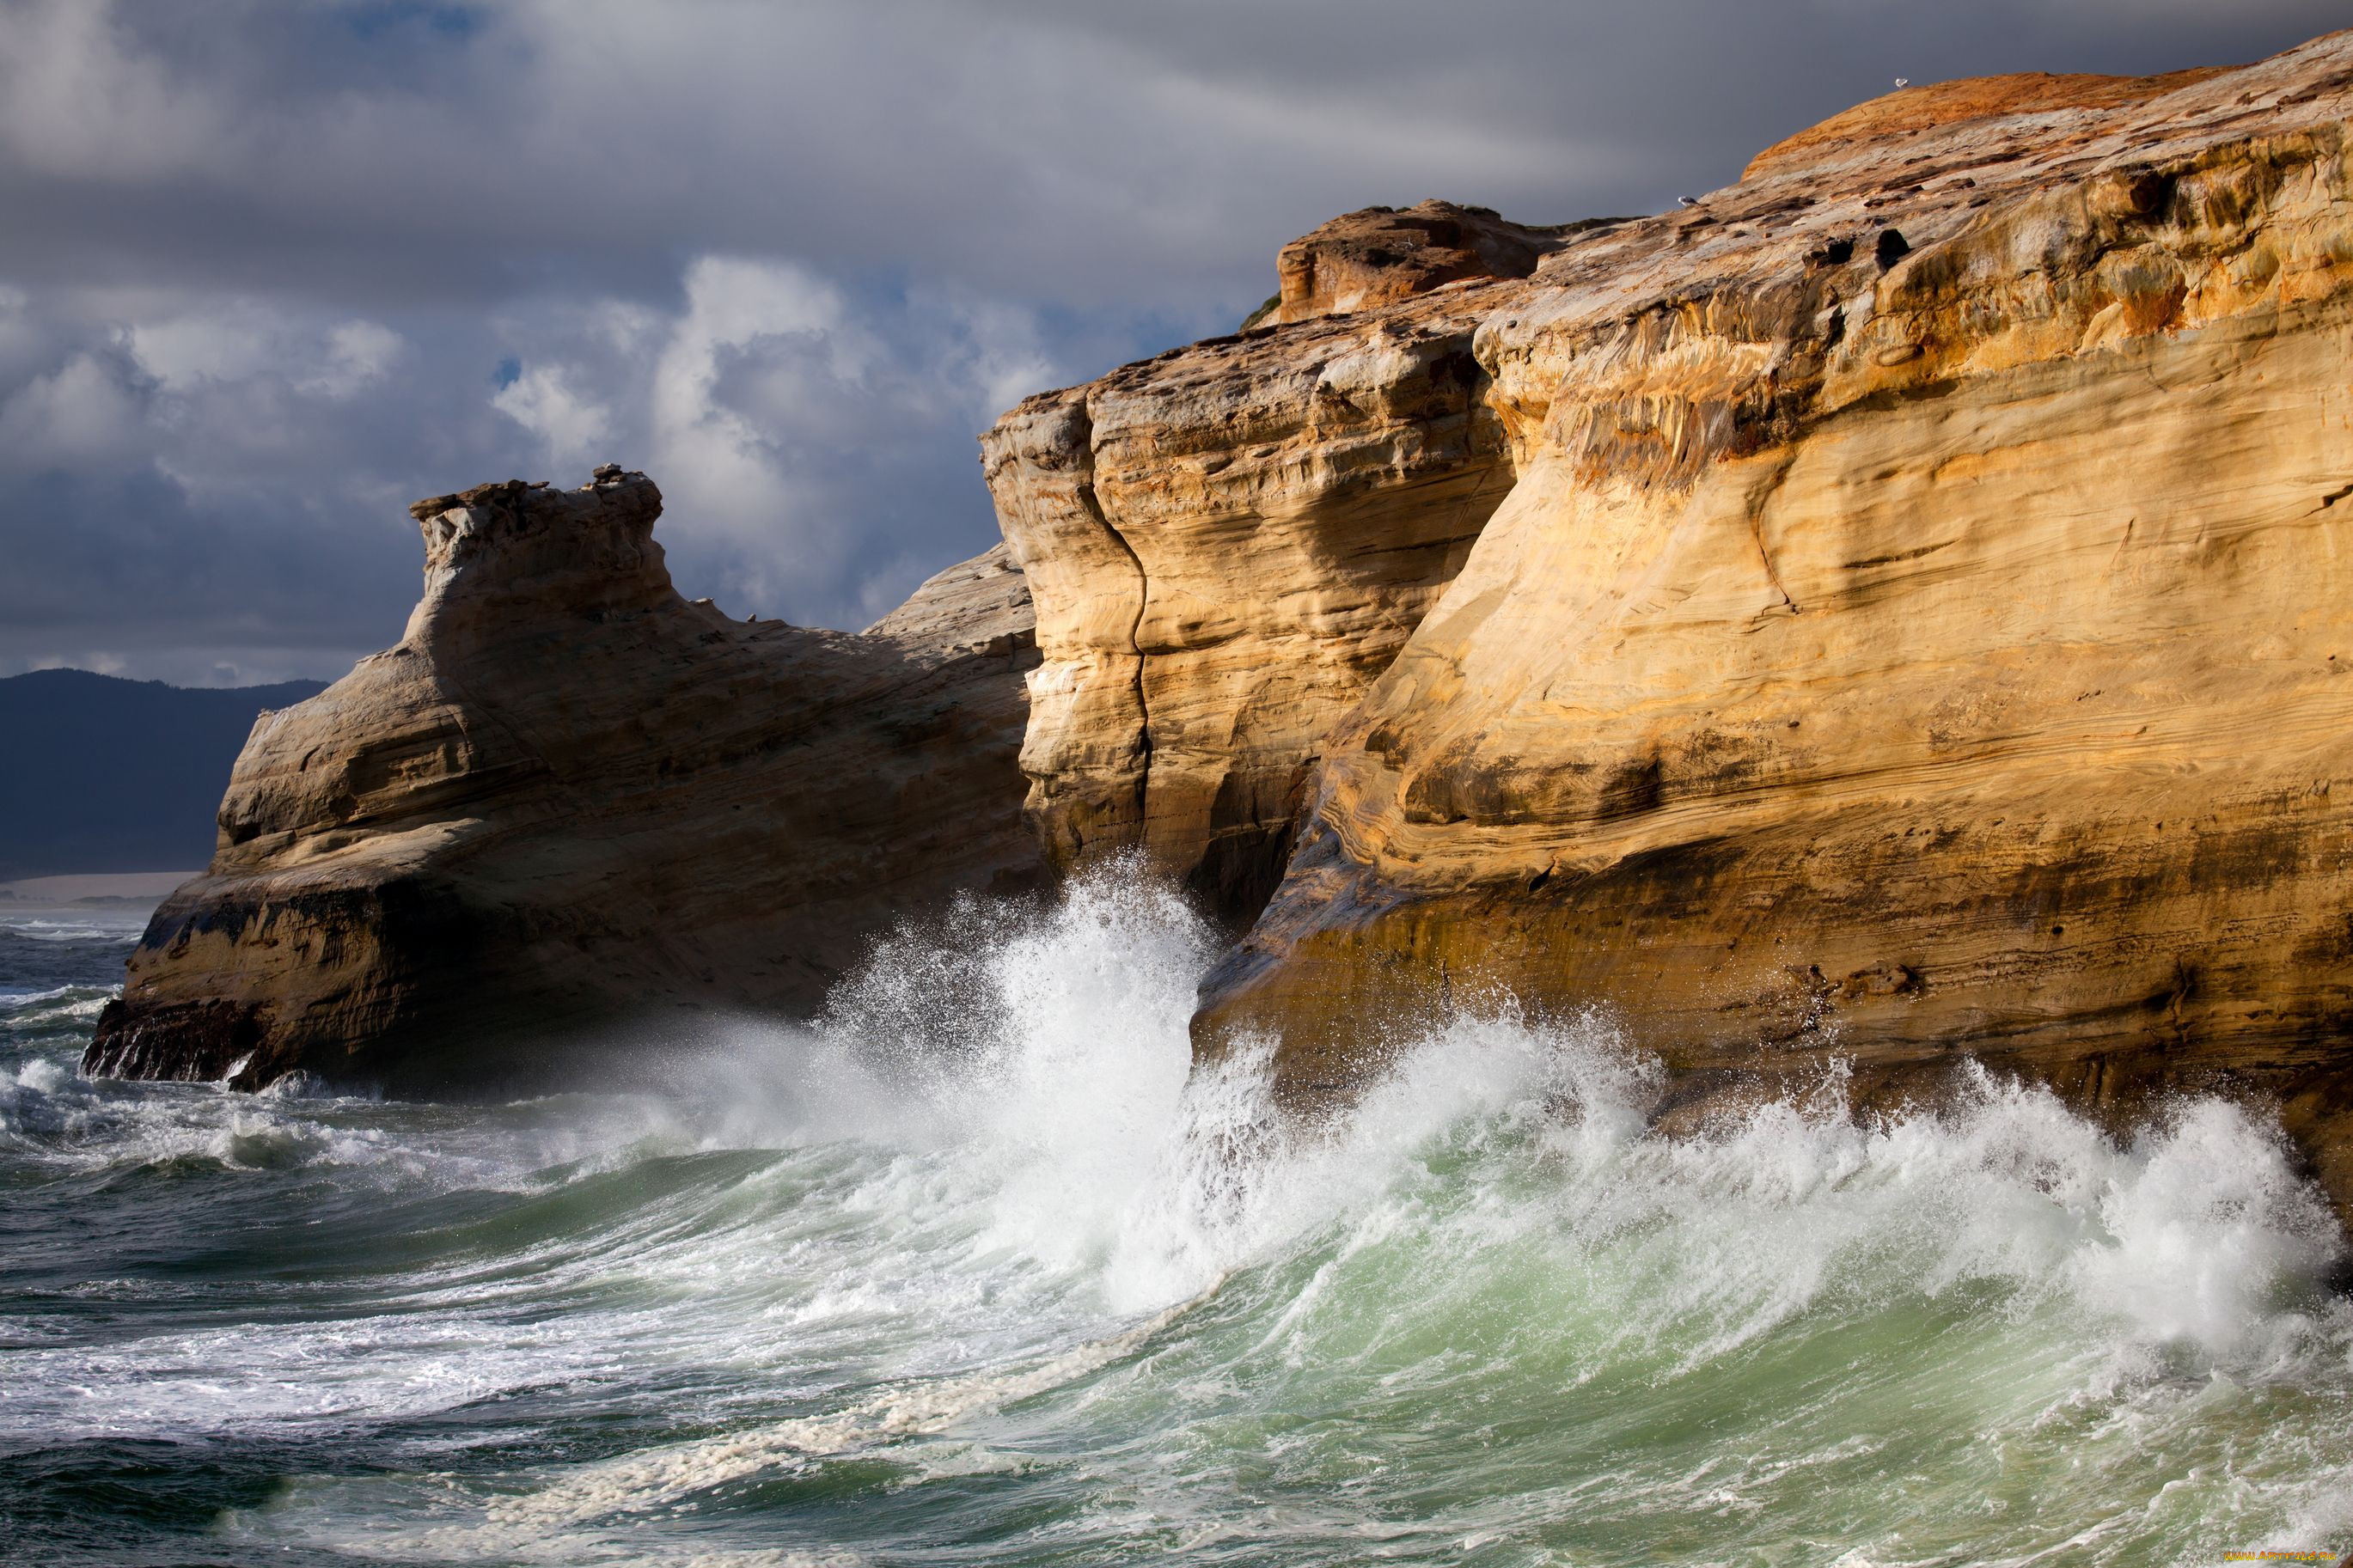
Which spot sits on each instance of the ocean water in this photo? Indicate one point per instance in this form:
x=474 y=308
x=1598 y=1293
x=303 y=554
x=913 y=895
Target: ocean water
x=972 y=1272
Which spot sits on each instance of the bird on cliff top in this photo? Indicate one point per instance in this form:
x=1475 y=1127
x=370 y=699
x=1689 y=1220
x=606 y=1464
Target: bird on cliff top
x=1902 y=81
x=1688 y=201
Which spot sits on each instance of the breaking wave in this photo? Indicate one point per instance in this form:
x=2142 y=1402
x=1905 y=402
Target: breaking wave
x=977 y=1268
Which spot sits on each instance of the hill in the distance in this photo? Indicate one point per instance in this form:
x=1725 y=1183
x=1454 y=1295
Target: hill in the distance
x=106 y=775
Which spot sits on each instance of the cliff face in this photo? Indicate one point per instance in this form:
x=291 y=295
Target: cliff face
x=1231 y=541
x=570 y=797
x=1227 y=543
x=1920 y=624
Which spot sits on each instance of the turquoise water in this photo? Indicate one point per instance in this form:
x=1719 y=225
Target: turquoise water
x=972 y=1273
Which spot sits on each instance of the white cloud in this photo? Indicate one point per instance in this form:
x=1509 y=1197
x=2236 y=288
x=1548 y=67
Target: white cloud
x=79 y=98
x=81 y=414
x=203 y=345
x=721 y=460
x=223 y=341
x=355 y=354
x=575 y=432
x=813 y=445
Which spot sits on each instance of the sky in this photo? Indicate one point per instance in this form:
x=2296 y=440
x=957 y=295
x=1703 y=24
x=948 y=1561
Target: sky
x=269 y=272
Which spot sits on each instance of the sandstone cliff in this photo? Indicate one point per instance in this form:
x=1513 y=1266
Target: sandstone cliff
x=1227 y=543
x=1381 y=255
x=1895 y=610
x=1232 y=540
x=569 y=797
x=1920 y=623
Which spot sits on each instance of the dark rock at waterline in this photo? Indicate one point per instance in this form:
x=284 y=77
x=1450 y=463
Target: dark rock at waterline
x=570 y=799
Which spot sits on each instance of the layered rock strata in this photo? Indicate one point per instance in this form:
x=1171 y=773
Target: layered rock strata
x=1920 y=625
x=1227 y=543
x=1381 y=255
x=1233 y=539
x=569 y=797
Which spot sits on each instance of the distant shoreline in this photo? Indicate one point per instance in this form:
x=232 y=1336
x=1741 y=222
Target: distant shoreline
x=104 y=887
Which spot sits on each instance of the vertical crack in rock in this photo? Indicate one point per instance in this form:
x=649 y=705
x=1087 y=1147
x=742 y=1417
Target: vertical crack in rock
x=1286 y=502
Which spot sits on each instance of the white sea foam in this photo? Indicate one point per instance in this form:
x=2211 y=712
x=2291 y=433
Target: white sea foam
x=922 y=1408
x=988 y=1208
x=53 y=1006
x=118 y=930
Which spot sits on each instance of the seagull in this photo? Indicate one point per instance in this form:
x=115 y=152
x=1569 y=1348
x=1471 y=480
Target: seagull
x=1902 y=81
x=1688 y=201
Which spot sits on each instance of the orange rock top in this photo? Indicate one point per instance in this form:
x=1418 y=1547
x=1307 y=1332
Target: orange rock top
x=1924 y=107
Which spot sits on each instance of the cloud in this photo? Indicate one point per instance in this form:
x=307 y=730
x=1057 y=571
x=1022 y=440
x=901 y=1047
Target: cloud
x=222 y=342
x=358 y=356
x=573 y=431
x=814 y=443
x=83 y=414
x=81 y=99
x=270 y=271
x=780 y=339
x=195 y=472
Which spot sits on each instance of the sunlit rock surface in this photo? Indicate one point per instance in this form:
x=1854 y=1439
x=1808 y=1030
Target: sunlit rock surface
x=1227 y=543
x=1381 y=255
x=1920 y=623
x=570 y=798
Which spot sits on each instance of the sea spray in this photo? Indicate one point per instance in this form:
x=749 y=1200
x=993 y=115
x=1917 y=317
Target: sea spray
x=978 y=1266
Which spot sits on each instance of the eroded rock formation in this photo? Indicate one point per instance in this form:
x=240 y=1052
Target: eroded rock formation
x=1232 y=540
x=1920 y=624
x=569 y=797
x=1381 y=255
x=1897 y=610
x=1227 y=543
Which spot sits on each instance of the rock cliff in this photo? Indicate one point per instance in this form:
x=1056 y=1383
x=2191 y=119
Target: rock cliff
x=1920 y=623
x=1381 y=255
x=571 y=798
x=1227 y=543
x=1897 y=609
x=1232 y=540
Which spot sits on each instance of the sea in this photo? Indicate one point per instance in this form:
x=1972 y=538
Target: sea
x=976 y=1271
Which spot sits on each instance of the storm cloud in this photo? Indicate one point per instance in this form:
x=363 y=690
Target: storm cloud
x=270 y=271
